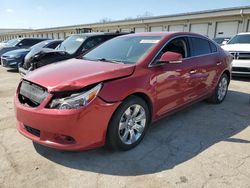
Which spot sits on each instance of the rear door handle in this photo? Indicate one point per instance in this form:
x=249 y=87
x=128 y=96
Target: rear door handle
x=219 y=63
x=193 y=71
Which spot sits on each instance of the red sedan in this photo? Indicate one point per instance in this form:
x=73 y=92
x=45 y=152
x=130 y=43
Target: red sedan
x=115 y=91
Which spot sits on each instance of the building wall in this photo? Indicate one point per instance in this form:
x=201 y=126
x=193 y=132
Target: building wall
x=225 y=22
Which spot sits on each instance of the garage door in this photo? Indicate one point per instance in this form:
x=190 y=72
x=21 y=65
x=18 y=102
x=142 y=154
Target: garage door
x=50 y=35
x=156 y=29
x=139 y=29
x=125 y=30
x=61 y=35
x=199 y=28
x=176 y=28
x=227 y=29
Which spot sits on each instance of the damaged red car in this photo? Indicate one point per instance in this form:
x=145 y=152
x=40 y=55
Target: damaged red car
x=118 y=89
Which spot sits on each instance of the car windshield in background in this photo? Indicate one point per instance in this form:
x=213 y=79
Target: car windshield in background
x=240 y=39
x=71 y=44
x=123 y=49
x=13 y=42
x=39 y=45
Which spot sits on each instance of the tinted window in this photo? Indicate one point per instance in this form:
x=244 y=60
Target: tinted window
x=53 y=45
x=213 y=47
x=199 y=46
x=29 y=42
x=92 y=42
x=126 y=49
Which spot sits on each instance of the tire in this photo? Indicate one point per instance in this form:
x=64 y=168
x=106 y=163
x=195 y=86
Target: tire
x=220 y=91
x=125 y=131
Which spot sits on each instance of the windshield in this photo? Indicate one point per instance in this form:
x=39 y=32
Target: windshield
x=40 y=45
x=71 y=44
x=240 y=39
x=126 y=49
x=13 y=42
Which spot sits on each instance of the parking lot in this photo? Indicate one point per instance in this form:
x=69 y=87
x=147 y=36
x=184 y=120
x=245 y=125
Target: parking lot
x=203 y=146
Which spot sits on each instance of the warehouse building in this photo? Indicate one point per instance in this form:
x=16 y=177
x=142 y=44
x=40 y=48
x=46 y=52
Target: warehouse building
x=214 y=23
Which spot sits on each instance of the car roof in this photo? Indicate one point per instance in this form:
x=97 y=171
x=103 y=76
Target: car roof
x=30 y=38
x=99 y=34
x=246 y=33
x=167 y=34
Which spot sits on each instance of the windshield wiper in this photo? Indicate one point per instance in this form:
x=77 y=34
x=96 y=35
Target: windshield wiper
x=110 y=60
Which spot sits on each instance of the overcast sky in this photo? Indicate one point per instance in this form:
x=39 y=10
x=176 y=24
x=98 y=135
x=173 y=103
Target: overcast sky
x=52 y=13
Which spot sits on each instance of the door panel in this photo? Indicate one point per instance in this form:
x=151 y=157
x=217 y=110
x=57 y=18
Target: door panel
x=174 y=85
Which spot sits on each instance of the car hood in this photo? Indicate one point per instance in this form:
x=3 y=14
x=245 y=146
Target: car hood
x=75 y=74
x=38 y=54
x=16 y=52
x=237 y=47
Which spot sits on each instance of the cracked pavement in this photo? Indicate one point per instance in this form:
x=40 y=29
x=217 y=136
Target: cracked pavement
x=202 y=146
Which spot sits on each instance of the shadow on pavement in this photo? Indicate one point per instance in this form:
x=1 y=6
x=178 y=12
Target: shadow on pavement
x=241 y=78
x=12 y=70
x=169 y=142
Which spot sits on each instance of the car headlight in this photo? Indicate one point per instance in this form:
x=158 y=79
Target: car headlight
x=76 y=100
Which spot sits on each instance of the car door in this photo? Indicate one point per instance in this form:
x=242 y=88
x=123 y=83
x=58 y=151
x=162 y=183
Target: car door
x=206 y=59
x=174 y=83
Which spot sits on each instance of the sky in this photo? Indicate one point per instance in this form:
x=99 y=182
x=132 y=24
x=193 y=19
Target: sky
x=52 y=13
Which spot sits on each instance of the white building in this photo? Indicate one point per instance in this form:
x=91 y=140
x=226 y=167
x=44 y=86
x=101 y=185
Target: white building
x=214 y=23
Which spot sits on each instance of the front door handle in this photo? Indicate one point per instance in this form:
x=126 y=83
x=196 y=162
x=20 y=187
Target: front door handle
x=193 y=71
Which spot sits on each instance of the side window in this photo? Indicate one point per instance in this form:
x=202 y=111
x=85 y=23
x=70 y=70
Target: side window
x=92 y=42
x=178 y=45
x=28 y=42
x=199 y=46
x=53 y=45
x=213 y=47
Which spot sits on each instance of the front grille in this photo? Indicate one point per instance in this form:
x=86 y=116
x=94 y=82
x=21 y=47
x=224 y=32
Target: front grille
x=32 y=94
x=241 y=55
x=241 y=69
x=32 y=131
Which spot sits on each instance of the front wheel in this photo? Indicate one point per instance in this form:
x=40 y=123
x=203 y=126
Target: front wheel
x=128 y=124
x=220 y=91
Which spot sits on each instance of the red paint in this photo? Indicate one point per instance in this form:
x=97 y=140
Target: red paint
x=169 y=87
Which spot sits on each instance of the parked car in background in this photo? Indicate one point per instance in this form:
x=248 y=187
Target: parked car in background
x=3 y=43
x=15 y=58
x=239 y=47
x=221 y=40
x=20 y=43
x=116 y=90
x=73 y=47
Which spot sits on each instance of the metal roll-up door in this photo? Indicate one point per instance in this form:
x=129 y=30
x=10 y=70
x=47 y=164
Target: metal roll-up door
x=139 y=29
x=199 y=28
x=156 y=29
x=227 y=29
x=176 y=28
x=125 y=30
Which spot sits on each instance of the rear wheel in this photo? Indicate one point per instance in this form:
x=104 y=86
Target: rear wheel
x=220 y=92
x=128 y=124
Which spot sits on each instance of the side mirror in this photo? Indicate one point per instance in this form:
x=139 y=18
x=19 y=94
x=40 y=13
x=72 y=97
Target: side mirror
x=171 y=57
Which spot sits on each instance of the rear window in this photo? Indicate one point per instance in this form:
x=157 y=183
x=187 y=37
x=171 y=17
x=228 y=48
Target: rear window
x=200 y=46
